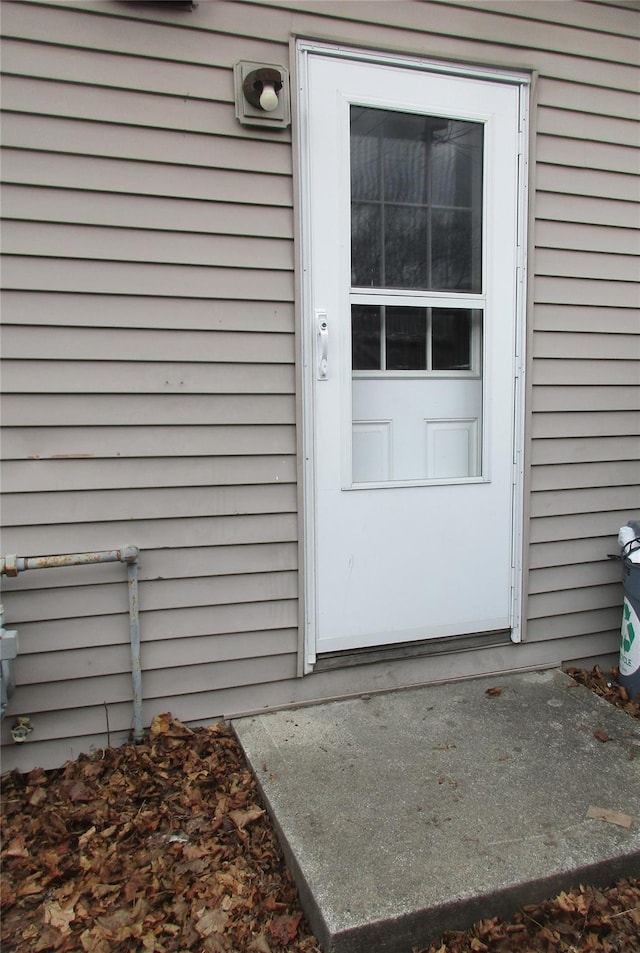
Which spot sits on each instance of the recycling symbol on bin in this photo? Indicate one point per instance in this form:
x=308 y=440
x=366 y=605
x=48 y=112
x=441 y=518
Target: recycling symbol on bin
x=628 y=639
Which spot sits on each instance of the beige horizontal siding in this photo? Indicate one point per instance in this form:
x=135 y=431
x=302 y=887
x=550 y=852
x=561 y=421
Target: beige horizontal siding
x=597 y=102
x=85 y=344
x=117 y=141
x=600 y=320
x=597 y=572
x=574 y=398
x=150 y=351
x=563 y=579
x=590 y=500
x=147 y=503
x=85 y=276
x=604 y=524
x=148 y=212
x=105 y=30
x=127 y=163
x=588 y=264
x=118 y=311
x=589 y=291
x=161 y=655
x=150 y=534
x=125 y=106
x=25 y=167
x=227 y=32
x=101 y=442
x=587 y=424
x=572 y=600
x=592 y=621
x=81 y=692
x=579 y=346
x=472 y=24
x=84 y=601
x=593 y=371
x=128 y=244
x=226 y=619
x=582 y=154
x=43 y=60
x=589 y=238
x=620 y=19
x=592 y=211
x=577 y=475
x=585 y=126
x=106 y=377
x=579 y=551
x=137 y=409
x=254 y=644
x=585 y=450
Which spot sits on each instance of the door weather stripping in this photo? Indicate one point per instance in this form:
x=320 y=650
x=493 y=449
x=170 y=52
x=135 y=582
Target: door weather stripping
x=12 y=565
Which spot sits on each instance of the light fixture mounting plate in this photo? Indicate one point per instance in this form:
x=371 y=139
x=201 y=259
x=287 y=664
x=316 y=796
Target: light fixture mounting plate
x=247 y=94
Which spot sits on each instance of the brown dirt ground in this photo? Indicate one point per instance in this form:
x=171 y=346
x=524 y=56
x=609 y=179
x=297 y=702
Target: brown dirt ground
x=164 y=847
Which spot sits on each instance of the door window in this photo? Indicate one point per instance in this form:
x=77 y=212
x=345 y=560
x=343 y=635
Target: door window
x=416 y=201
x=388 y=338
x=416 y=236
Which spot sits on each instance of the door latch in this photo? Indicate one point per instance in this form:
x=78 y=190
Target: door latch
x=323 y=344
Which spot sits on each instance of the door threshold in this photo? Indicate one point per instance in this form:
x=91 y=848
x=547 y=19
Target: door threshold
x=407 y=650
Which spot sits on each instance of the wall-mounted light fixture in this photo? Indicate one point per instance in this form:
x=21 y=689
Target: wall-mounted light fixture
x=262 y=94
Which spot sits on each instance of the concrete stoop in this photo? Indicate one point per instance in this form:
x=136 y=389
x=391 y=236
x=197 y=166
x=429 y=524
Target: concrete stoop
x=409 y=813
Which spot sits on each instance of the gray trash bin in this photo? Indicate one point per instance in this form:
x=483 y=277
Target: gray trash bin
x=629 y=665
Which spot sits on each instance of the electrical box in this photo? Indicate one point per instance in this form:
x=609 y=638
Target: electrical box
x=8 y=652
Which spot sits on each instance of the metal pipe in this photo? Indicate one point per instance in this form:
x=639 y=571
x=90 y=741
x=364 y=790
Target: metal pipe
x=12 y=565
x=136 y=668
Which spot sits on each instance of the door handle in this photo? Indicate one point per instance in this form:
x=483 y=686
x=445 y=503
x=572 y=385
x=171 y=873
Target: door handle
x=323 y=344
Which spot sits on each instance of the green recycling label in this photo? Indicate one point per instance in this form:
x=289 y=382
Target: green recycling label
x=629 y=640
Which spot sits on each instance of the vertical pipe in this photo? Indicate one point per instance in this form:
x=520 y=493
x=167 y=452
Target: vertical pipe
x=136 y=668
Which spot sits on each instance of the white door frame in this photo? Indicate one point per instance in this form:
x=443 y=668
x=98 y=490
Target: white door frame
x=308 y=330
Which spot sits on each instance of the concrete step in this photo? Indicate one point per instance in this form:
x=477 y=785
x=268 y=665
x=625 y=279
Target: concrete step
x=409 y=813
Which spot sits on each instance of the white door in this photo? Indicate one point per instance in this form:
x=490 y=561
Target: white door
x=411 y=204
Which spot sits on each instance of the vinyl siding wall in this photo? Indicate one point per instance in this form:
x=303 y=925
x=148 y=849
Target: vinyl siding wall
x=149 y=348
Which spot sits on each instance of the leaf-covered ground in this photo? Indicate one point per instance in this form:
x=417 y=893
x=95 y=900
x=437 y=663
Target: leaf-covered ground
x=583 y=921
x=152 y=847
x=164 y=847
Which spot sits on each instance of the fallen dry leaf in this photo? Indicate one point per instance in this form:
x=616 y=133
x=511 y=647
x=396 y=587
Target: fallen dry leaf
x=78 y=791
x=612 y=817
x=283 y=929
x=58 y=917
x=584 y=920
x=242 y=818
x=211 y=921
x=16 y=848
x=259 y=944
x=606 y=685
x=166 y=724
x=602 y=735
x=30 y=887
x=38 y=797
x=494 y=692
